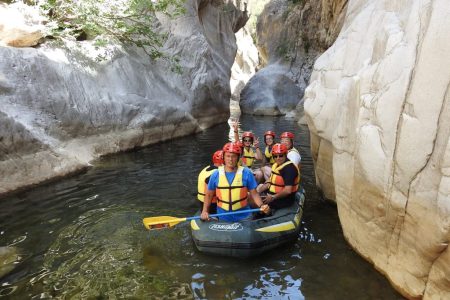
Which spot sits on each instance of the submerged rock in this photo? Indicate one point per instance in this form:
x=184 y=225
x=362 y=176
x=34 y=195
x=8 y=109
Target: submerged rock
x=8 y=257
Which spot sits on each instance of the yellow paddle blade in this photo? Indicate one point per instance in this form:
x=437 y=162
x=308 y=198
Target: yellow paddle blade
x=161 y=222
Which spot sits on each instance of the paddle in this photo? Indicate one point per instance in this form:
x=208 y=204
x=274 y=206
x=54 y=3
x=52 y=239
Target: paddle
x=164 y=221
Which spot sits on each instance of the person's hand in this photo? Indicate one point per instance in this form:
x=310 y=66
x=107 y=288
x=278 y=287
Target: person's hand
x=236 y=125
x=256 y=142
x=204 y=216
x=265 y=208
x=268 y=199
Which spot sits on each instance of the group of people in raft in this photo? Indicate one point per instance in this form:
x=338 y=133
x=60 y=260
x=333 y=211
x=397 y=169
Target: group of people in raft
x=228 y=184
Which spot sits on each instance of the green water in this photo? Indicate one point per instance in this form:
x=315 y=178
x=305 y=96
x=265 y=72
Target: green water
x=82 y=237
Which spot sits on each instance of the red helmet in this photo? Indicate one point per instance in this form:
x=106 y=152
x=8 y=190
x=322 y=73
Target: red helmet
x=248 y=134
x=232 y=148
x=279 y=149
x=269 y=132
x=287 y=134
x=217 y=157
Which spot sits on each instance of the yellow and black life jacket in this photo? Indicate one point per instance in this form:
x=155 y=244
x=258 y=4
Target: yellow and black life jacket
x=248 y=157
x=201 y=184
x=268 y=155
x=234 y=196
x=277 y=181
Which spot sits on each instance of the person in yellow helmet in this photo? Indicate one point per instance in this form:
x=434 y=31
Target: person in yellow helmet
x=234 y=186
x=203 y=180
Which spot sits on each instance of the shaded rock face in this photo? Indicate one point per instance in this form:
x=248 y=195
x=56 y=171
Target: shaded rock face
x=60 y=109
x=290 y=37
x=378 y=108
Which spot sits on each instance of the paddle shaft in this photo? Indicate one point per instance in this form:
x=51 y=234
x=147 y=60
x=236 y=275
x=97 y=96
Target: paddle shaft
x=164 y=222
x=227 y=213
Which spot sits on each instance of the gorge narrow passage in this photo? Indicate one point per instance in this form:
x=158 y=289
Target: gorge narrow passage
x=82 y=237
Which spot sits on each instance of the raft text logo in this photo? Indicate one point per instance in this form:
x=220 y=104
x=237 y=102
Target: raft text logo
x=226 y=227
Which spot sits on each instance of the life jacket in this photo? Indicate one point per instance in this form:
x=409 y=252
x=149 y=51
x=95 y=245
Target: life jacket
x=201 y=184
x=277 y=181
x=268 y=155
x=234 y=196
x=248 y=157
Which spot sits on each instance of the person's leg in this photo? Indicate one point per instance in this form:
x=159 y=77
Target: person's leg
x=267 y=170
x=259 y=175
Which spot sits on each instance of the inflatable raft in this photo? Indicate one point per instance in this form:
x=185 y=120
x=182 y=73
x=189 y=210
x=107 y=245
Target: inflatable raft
x=252 y=237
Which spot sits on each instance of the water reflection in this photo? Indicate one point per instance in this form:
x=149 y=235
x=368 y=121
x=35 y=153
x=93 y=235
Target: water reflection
x=83 y=238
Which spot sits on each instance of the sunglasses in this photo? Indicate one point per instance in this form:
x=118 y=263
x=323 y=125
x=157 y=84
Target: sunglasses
x=277 y=155
x=247 y=140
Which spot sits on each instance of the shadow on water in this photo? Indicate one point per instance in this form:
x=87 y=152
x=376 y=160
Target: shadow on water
x=83 y=237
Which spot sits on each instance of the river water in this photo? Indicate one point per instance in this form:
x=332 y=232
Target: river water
x=83 y=237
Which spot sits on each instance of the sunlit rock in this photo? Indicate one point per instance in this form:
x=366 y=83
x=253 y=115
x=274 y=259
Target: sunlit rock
x=379 y=113
x=20 y=25
x=245 y=63
x=61 y=108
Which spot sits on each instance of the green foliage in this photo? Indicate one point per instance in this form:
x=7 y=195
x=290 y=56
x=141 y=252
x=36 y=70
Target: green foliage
x=130 y=22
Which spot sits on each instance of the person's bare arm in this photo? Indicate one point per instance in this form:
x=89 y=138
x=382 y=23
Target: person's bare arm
x=284 y=193
x=236 y=131
x=206 y=204
x=258 y=202
x=258 y=153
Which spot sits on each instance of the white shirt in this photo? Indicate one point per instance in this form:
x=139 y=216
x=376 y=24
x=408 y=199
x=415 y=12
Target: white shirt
x=294 y=157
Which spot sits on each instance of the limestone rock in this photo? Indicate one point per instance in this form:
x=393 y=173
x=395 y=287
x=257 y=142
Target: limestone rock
x=290 y=36
x=378 y=108
x=20 y=25
x=270 y=92
x=61 y=109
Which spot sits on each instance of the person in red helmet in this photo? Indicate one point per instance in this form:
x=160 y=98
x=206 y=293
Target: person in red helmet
x=203 y=180
x=248 y=140
x=284 y=180
x=268 y=161
x=287 y=138
x=232 y=184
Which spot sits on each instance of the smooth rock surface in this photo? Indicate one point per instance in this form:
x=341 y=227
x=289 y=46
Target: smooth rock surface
x=290 y=36
x=61 y=109
x=378 y=108
x=270 y=92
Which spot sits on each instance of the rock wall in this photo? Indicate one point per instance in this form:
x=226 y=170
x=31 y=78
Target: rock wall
x=290 y=36
x=378 y=108
x=61 y=109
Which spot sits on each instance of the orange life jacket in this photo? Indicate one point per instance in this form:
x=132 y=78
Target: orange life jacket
x=231 y=196
x=277 y=181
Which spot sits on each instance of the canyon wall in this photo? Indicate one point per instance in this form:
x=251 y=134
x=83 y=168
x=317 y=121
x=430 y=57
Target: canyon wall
x=378 y=108
x=290 y=35
x=60 y=108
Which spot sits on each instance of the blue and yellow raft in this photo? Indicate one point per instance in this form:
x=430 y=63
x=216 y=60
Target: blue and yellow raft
x=252 y=237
